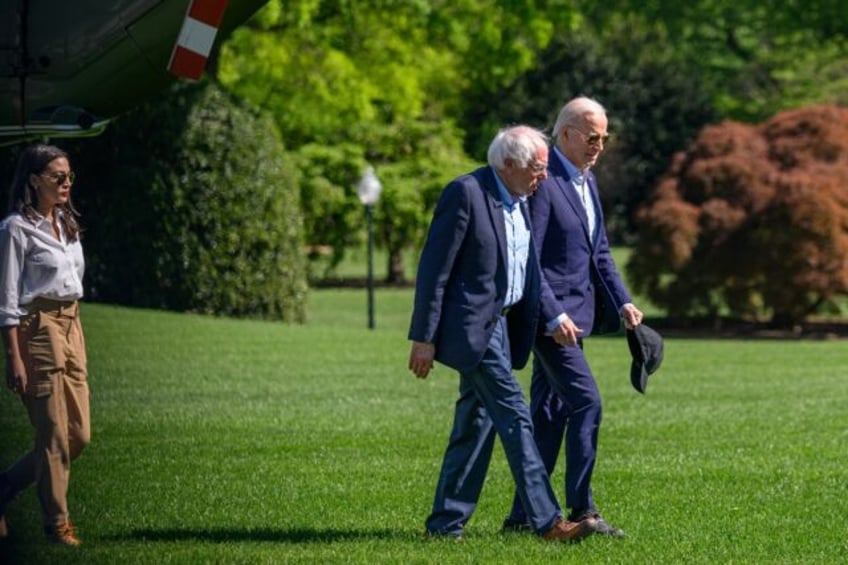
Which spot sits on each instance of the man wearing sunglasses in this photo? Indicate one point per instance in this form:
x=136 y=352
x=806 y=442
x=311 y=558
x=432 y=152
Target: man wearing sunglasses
x=582 y=293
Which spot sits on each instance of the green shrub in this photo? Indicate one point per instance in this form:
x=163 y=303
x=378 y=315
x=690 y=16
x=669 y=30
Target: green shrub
x=192 y=204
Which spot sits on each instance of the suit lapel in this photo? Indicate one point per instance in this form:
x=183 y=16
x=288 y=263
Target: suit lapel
x=496 y=212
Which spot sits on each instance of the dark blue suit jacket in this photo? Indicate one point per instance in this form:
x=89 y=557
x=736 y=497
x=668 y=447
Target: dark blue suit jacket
x=578 y=274
x=461 y=283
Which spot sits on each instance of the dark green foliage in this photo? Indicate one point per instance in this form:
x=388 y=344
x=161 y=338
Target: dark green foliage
x=753 y=219
x=331 y=211
x=192 y=204
x=655 y=108
x=756 y=57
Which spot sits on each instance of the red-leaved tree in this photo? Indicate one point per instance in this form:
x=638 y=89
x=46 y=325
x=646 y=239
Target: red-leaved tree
x=751 y=219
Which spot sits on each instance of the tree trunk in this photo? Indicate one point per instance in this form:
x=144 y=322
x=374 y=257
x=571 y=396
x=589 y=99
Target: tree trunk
x=395 y=269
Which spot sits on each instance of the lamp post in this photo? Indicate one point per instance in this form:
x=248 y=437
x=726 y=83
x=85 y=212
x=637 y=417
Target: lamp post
x=369 y=189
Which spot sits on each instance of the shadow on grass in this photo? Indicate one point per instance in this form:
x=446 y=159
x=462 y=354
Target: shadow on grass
x=224 y=535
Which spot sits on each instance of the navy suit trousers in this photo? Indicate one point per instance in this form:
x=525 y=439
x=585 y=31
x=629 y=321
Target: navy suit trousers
x=490 y=402
x=565 y=401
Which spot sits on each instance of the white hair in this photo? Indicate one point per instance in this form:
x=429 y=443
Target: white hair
x=574 y=111
x=517 y=143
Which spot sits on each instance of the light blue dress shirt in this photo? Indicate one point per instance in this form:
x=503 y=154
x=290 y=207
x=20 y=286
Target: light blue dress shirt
x=517 y=244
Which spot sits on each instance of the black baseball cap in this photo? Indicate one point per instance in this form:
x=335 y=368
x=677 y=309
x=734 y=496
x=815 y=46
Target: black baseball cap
x=646 y=348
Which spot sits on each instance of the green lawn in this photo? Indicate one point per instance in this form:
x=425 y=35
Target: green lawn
x=227 y=441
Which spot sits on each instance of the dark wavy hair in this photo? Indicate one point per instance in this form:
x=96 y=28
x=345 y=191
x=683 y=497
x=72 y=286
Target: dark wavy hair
x=23 y=197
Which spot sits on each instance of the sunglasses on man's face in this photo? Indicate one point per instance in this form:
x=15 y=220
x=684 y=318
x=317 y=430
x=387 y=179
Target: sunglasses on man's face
x=593 y=138
x=60 y=178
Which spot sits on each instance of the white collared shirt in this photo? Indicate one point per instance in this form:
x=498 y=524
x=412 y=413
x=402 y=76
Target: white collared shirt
x=580 y=182
x=33 y=264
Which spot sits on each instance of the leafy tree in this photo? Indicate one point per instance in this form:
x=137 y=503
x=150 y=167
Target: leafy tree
x=756 y=57
x=379 y=81
x=753 y=219
x=323 y=67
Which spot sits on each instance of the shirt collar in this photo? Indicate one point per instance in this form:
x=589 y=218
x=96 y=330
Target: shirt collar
x=509 y=201
x=576 y=175
x=40 y=222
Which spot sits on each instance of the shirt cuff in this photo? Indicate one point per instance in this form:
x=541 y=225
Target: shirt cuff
x=6 y=322
x=553 y=324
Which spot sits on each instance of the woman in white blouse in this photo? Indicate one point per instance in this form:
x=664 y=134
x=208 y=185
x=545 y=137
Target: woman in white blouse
x=41 y=270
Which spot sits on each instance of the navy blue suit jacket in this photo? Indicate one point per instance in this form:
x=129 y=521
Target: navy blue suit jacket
x=461 y=283
x=578 y=273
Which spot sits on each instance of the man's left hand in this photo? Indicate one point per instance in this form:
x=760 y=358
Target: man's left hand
x=631 y=315
x=421 y=358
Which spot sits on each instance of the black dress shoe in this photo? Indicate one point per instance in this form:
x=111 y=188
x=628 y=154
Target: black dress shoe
x=511 y=526
x=443 y=536
x=602 y=527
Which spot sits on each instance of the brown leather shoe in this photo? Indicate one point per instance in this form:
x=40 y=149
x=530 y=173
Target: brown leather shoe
x=63 y=534
x=570 y=531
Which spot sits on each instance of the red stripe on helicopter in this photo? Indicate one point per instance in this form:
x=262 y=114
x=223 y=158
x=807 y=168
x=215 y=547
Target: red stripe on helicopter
x=196 y=38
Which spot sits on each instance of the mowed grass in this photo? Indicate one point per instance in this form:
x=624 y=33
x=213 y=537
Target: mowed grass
x=232 y=441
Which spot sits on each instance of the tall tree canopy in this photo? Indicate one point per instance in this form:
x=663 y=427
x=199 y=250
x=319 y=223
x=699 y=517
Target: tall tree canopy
x=756 y=56
x=324 y=66
x=381 y=82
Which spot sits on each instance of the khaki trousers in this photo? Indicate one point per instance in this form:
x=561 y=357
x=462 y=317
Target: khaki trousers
x=57 y=401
